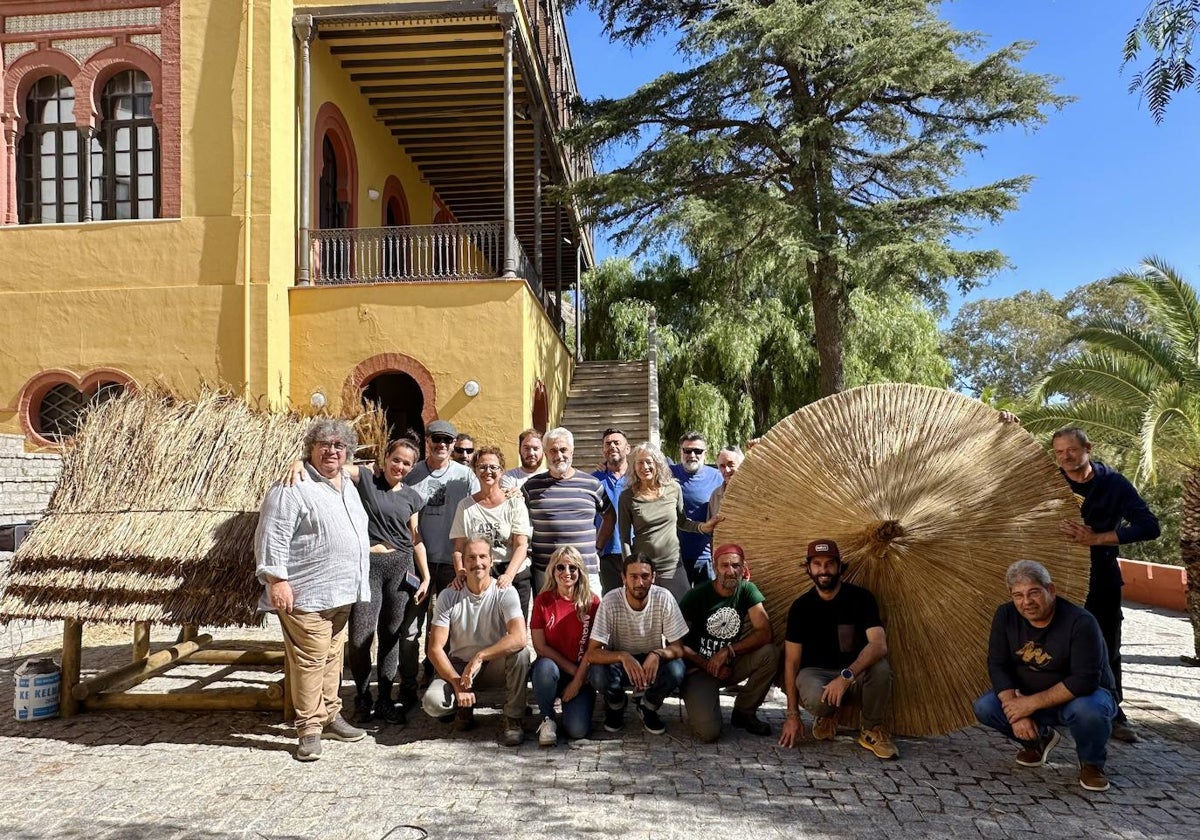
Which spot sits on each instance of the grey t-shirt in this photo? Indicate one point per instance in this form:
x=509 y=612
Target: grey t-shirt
x=442 y=489
x=476 y=621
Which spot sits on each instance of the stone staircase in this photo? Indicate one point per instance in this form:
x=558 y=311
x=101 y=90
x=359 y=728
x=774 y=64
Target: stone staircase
x=603 y=395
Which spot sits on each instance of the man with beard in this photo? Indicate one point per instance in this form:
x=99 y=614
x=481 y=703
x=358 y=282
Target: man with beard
x=1048 y=668
x=698 y=481
x=836 y=653
x=636 y=642
x=563 y=505
x=529 y=445
x=612 y=479
x=729 y=641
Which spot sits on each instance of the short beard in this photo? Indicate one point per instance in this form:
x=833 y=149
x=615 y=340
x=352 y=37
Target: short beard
x=559 y=470
x=692 y=470
x=832 y=585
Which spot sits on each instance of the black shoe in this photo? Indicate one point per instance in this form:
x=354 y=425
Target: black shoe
x=750 y=722
x=392 y=713
x=407 y=697
x=1123 y=732
x=650 y=719
x=614 y=717
x=364 y=707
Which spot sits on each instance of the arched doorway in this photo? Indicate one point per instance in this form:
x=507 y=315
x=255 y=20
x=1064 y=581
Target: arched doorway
x=401 y=399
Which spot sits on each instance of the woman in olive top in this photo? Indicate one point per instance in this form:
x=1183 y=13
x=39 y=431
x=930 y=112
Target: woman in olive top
x=650 y=516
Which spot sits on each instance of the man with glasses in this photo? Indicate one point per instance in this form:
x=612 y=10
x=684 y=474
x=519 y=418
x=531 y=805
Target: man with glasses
x=311 y=552
x=463 y=450
x=442 y=483
x=612 y=479
x=698 y=482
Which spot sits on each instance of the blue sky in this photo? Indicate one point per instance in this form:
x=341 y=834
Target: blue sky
x=1111 y=186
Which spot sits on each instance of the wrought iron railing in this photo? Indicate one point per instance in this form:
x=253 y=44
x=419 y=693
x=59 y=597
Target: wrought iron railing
x=469 y=251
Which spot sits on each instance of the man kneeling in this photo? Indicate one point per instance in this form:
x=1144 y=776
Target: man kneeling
x=729 y=641
x=1049 y=667
x=484 y=628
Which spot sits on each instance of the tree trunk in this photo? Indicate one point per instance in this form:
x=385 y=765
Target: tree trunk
x=827 y=302
x=1189 y=547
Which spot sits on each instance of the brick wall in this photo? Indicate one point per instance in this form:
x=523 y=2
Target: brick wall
x=26 y=480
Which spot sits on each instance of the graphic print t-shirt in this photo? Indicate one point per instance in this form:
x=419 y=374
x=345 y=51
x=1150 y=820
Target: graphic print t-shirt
x=714 y=621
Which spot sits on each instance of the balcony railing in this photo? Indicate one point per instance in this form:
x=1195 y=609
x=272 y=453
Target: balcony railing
x=410 y=253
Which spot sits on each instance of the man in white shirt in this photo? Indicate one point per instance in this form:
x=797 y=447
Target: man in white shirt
x=477 y=641
x=636 y=641
x=529 y=444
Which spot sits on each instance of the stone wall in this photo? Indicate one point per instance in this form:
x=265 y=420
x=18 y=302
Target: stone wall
x=26 y=480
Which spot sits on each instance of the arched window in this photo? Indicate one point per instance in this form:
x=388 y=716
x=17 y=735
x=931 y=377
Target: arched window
x=48 y=163
x=125 y=170
x=61 y=409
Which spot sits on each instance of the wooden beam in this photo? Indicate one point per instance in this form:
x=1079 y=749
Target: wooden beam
x=189 y=632
x=136 y=672
x=141 y=640
x=72 y=651
x=209 y=700
x=221 y=656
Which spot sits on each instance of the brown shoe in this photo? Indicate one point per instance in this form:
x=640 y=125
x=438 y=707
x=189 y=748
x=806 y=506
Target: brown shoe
x=1035 y=755
x=878 y=741
x=464 y=719
x=512 y=734
x=825 y=728
x=1091 y=777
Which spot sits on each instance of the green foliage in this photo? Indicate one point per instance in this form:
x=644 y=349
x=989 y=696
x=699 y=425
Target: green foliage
x=825 y=139
x=1168 y=30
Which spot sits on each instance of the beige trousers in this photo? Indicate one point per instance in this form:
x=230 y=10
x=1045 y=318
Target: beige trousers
x=312 y=646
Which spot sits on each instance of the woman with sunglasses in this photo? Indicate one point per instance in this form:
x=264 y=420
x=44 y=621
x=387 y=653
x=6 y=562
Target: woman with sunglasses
x=561 y=624
x=650 y=516
x=502 y=520
x=394 y=610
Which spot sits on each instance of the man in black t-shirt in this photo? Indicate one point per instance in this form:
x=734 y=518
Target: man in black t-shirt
x=1049 y=667
x=836 y=652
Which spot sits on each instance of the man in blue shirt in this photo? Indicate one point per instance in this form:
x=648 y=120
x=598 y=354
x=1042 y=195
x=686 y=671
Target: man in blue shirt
x=612 y=479
x=698 y=481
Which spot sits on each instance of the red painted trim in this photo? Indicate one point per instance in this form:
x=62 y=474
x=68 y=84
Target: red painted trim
x=35 y=389
x=540 y=416
x=393 y=190
x=330 y=121
x=391 y=363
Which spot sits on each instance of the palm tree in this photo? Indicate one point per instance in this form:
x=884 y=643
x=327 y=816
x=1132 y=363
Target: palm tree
x=1141 y=385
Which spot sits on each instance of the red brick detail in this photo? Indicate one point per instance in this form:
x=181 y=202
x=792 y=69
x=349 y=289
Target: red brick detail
x=541 y=408
x=330 y=121
x=170 y=155
x=107 y=63
x=32 y=392
x=391 y=363
x=29 y=69
x=393 y=190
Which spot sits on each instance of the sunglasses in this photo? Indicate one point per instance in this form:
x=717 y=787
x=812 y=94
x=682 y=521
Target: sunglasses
x=463 y=450
x=445 y=439
x=692 y=450
x=566 y=567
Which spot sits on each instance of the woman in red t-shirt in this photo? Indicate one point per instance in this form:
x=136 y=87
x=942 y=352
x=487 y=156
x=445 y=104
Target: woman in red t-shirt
x=561 y=622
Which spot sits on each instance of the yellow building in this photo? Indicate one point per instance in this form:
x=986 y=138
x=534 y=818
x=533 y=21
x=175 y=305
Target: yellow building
x=319 y=200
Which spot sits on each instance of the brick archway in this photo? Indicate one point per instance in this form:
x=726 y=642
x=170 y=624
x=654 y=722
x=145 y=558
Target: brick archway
x=31 y=394
x=391 y=363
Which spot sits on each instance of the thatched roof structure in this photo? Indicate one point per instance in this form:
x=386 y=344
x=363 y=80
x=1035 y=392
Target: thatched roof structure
x=930 y=498
x=154 y=516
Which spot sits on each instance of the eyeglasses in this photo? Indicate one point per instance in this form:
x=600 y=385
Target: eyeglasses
x=692 y=450
x=335 y=445
x=487 y=467
x=442 y=439
x=463 y=450
x=567 y=567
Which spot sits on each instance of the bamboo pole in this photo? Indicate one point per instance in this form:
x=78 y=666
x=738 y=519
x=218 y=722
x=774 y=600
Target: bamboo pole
x=213 y=699
x=72 y=651
x=141 y=640
x=136 y=672
x=220 y=656
x=189 y=632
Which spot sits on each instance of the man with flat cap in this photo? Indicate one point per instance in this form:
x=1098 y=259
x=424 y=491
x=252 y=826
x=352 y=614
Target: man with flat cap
x=836 y=653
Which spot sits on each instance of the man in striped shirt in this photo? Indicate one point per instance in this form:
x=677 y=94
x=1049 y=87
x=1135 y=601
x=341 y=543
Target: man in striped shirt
x=563 y=504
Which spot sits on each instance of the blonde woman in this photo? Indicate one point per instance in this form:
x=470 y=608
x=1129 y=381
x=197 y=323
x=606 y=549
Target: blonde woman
x=561 y=625
x=650 y=516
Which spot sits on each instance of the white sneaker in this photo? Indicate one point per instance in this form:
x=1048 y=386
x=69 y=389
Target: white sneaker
x=547 y=733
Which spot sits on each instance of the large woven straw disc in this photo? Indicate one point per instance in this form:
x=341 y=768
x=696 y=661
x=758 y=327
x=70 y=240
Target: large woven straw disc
x=930 y=498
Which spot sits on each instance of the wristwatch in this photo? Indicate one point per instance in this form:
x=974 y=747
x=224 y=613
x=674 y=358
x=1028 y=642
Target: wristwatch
x=847 y=675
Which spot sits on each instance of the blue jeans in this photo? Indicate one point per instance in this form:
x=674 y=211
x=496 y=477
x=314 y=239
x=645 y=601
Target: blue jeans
x=1089 y=718
x=548 y=683
x=611 y=681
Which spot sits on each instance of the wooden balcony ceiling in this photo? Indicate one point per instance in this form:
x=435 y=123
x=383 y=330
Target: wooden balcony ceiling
x=437 y=82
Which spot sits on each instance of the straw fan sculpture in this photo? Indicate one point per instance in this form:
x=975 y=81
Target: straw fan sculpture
x=153 y=521
x=930 y=498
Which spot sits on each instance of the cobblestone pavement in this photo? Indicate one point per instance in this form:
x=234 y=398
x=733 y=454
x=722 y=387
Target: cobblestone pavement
x=232 y=775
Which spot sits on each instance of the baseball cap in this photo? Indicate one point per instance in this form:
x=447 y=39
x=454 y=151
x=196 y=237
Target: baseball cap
x=823 y=548
x=441 y=427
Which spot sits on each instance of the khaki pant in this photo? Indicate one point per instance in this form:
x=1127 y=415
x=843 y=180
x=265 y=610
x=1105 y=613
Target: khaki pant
x=703 y=702
x=312 y=648
x=511 y=672
x=873 y=689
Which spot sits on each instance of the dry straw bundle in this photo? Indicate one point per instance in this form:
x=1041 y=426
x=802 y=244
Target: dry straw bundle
x=930 y=498
x=154 y=516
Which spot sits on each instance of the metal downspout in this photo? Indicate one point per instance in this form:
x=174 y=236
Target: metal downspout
x=247 y=198
x=303 y=27
x=510 y=221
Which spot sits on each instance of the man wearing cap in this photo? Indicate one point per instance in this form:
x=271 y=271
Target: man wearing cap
x=728 y=642
x=442 y=483
x=835 y=653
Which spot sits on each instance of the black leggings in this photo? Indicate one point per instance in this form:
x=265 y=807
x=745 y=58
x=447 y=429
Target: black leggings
x=383 y=613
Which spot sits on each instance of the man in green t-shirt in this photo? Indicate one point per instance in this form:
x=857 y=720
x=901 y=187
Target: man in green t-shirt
x=729 y=640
